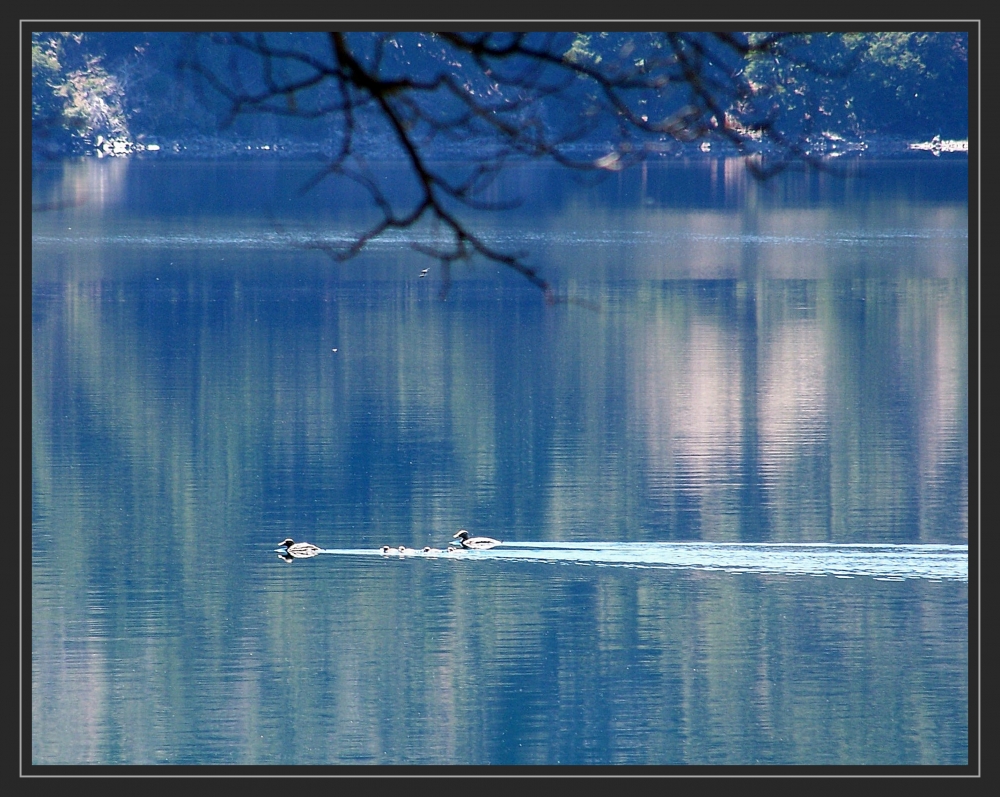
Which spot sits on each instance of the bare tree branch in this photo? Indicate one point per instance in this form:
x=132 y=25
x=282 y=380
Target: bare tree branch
x=535 y=95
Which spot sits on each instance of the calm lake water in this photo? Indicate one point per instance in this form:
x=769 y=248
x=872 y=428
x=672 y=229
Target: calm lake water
x=731 y=476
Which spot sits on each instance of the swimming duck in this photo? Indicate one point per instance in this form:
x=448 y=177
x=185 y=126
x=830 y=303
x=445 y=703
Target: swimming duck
x=477 y=543
x=385 y=549
x=300 y=550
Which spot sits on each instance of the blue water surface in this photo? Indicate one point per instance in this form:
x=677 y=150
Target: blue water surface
x=729 y=468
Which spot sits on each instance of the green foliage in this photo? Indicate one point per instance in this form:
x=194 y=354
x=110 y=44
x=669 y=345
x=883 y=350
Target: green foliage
x=74 y=97
x=45 y=76
x=913 y=84
x=581 y=52
x=907 y=82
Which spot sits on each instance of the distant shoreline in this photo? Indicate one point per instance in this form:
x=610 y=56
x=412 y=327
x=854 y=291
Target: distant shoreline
x=216 y=147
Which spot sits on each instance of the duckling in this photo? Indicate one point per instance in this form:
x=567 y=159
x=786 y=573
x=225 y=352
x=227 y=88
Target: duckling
x=476 y=543
x=300 y=550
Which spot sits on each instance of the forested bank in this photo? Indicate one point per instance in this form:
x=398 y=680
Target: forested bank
x=117 y=93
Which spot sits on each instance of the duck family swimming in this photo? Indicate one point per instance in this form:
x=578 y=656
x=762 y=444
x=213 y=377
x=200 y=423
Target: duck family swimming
x=465 y=541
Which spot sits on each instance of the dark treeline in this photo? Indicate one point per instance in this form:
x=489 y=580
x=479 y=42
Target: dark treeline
x=89 y=88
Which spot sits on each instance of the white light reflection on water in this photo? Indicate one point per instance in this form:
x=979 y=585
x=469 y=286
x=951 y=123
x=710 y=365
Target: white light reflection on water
x=272 y=240
x=888 y=562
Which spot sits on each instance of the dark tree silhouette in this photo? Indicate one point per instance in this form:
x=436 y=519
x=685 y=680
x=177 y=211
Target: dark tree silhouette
x=555 y=96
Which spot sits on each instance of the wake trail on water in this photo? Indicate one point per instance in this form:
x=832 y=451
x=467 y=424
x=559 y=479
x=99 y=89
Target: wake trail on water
x=935 y=562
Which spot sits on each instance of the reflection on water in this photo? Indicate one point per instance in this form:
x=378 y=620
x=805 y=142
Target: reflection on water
x=774 y=386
